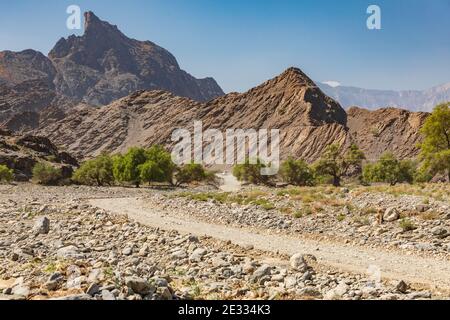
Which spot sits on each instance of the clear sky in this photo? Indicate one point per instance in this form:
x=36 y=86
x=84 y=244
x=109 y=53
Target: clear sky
x=241 y=43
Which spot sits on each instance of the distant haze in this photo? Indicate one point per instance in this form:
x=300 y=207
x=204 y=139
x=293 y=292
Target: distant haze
x=414 y=100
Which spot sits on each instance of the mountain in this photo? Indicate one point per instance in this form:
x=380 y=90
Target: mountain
x=25 y=82
x=291 y=102
x=412 y=100
x=387 y=129
x=22 y=152
x=96 y=69
x=104 y=65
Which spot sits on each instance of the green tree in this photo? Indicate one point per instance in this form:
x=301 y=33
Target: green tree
x=46 y=174
x=390 y=170
x=98 y=171
x=158 y=167
x=251 y=172
x=126 y=168
x=336 y=164
x=296 y=172
x=435 y=148
x=194 y=172
x=6 y=174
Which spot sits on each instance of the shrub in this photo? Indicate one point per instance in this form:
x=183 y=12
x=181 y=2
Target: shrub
x=98 y=171
x=46 y=174
x=158 y=167
x=335 y=164
x=126 y=167
x=6 y=174
x=194 y=173
x=250 y=172
x=297 y=172
x=407 y=225
x=435 y=148
x=390 y=170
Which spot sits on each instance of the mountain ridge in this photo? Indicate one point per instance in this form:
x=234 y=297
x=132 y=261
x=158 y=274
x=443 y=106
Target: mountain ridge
x=413 y=100
x=308 y=121
x=97 y=68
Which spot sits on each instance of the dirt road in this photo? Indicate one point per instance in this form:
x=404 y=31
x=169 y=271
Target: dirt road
x=430 y=272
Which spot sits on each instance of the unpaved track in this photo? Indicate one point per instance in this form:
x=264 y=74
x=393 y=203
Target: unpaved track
x=430 y=272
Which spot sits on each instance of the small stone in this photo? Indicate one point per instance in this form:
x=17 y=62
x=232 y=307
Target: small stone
x=76 y=282
x=198 y=254
x=422 y=208
x=262 y=271
x=166 y=294
x=139 y=286
x=14 y=256
x=127 y=251
x=439 y=232
x=309 y=292
x=298 y=263
x=419 y=295
x=21 y=290
x=402 y=287
x=391 y=214
x=93 y=289
x=70 y=252
x=108 y=296
x=178 y=255
x=41 y=226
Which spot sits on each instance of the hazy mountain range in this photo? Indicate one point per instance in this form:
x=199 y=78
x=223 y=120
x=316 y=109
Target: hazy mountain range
x=413 y=100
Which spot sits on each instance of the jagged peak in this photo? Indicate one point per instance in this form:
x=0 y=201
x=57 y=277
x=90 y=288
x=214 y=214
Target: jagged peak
x=297 y=76
x=93 y=24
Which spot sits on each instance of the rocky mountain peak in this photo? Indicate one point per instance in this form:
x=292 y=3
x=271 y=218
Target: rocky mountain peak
x=96 y=28
x=295 y=76
x=91 y=20
x=113 y=66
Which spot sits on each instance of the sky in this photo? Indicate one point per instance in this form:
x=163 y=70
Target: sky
x=242 y=43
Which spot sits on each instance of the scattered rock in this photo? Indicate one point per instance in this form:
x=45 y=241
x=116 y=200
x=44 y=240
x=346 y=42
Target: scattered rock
x=402 y=287
x=139 y=285
x=391 y=214
x=41 y=226
x=298 y=263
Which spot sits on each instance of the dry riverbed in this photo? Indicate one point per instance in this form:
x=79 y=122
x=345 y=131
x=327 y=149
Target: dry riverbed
x=56 y=243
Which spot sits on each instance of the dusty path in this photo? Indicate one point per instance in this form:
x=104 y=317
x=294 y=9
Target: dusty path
x=430 y=272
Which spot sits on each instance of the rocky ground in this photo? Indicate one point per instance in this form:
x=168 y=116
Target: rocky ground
x=54 y=245
x=416 y=221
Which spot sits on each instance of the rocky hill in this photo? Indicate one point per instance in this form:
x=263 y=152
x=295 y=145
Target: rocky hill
x=21 y=153
x=291 y=102
x=104 y=65
x=388 y=129
x=308 y=121
x=97 y=68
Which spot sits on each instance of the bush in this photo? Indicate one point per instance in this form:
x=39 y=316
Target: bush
x=139 y=165
x=46 y=174
x=6 y=174
x=158 y=167
x=407 y=225
x=126 y=167
x=96 y=172
x=297 y=172
x=335 y=164
x=390 y=170
x=251 y=172
x=435 y=148
x=194 y=173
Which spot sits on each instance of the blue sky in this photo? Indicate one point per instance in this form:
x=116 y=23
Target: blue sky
x=241 y=43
